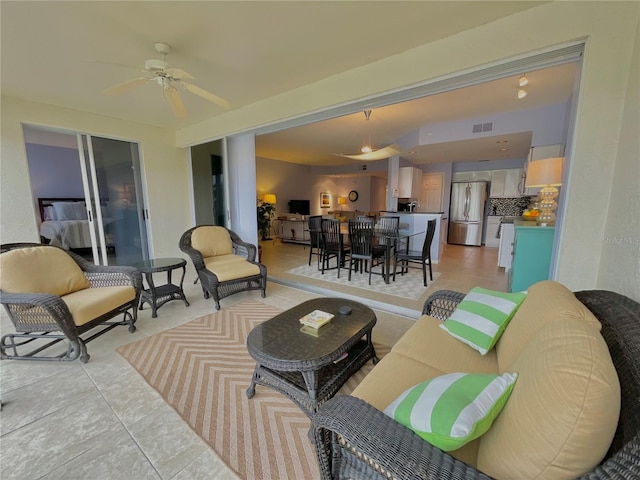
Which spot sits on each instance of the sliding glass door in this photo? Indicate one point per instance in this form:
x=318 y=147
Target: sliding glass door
x=113 y=192
x=89 y=196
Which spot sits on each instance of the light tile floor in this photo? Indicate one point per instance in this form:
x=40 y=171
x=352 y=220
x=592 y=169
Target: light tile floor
x=101 y=420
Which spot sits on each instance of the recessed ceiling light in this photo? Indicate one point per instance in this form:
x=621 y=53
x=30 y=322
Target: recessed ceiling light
x=503 y=149
x=412 y=152
x=502 y=141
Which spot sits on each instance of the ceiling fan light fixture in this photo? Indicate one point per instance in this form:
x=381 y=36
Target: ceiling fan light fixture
x=523 y=80
x=366 y=149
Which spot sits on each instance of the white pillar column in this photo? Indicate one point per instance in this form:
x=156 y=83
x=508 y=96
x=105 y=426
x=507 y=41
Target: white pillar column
x=241 y=154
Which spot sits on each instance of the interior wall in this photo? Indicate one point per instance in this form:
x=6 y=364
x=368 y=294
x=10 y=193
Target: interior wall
x=288 y=181
x=165 y=166
x=620 y=262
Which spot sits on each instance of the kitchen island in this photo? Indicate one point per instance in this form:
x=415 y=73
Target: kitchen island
x=417 y=222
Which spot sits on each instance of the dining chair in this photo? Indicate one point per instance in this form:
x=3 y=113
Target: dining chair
x=315 y=237
x=361 y=238
x=387 y=230
x=417 y=257
x=332 y=244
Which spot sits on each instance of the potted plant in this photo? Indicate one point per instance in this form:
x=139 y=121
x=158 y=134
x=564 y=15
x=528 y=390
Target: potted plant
x=266 y=212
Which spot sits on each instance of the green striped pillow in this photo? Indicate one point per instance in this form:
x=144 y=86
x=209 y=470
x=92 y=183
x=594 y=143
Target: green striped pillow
x=451 y=410
x=481 y=317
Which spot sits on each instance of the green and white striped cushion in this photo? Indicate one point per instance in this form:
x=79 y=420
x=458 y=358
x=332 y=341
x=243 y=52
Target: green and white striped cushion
x=451 y=410
x=481 y=317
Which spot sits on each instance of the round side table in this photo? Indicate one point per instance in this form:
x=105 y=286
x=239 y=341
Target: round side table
x=156 y=296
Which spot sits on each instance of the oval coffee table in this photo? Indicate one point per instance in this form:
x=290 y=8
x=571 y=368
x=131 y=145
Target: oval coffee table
x=310 y=369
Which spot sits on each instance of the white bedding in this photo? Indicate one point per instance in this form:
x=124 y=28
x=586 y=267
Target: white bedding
x=68 y=233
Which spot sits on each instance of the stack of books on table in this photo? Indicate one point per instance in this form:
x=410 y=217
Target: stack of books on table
x=313 y=321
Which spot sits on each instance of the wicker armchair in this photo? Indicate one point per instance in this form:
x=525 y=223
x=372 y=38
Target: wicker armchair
x=224 y=263
x=355 y=440
x=103 y=294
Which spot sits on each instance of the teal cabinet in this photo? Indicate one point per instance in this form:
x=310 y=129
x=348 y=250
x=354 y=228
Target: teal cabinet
x=531 y=255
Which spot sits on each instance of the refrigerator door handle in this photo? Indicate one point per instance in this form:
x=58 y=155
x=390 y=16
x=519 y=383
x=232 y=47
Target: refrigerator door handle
x=467 y=201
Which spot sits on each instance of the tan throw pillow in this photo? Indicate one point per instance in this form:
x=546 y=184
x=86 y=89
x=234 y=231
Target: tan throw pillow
x=40 y=270
x=561 y=417
x=212 y=241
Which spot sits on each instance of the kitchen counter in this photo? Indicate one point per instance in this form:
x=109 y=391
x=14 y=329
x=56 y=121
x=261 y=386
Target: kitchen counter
x=417 y=222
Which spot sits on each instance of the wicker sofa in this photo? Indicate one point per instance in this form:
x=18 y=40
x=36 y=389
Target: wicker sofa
x=561 y=421
x=52 y=295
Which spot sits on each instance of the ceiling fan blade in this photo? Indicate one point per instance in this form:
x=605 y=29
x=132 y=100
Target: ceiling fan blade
x=173 y=97
x=178 y=74
x=207 y=95
x=125 y=86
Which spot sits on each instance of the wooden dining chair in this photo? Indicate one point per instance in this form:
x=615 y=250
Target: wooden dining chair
x=332 y=244
x=361 y=238
x=315 y=237
x=423 y=257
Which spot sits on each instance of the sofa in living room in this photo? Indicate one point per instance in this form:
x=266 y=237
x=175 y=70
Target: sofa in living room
x=552 y=393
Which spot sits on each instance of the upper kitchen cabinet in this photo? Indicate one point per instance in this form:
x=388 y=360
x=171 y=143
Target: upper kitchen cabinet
x=409 y=182
x=506 y=183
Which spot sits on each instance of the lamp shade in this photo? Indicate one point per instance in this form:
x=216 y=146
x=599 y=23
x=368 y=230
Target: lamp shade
x=269 y=198
x=342 y=200
x=541 y=173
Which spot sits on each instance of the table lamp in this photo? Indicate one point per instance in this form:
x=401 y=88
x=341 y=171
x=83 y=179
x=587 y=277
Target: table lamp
x=546 y=173
x=342 y=201
x=269 y=198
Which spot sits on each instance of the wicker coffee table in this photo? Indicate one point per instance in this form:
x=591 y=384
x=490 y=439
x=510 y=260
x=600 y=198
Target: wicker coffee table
x=306 y=368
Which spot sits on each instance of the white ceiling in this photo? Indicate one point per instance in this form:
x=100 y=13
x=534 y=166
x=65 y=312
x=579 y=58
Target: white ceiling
x=66 y=53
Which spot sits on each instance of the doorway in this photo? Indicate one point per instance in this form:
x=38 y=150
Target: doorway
x=209 y=180
x=89 y=195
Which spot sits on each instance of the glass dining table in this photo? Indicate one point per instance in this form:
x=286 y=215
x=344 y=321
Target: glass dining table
x=389 y=239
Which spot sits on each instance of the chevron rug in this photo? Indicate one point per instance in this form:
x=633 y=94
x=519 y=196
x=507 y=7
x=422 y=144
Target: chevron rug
x=408 y=285
x=202 y=369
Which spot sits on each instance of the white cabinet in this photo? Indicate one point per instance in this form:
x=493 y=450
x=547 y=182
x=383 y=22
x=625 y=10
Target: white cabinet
x=498 y=180
x=505 y=251
x=491 y=237
x=409 y=182
x=506 y=183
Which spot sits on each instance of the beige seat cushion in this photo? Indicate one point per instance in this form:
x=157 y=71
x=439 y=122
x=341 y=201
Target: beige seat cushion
x=211 y=241
x=429 y=344
x=564 y=408
x=231 y=267
x=394 y=374
x=546 y=301
x=89 y=304
x=40 y=270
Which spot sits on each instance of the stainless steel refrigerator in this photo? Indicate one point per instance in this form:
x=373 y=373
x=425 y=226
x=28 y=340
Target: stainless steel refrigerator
x=467 y=212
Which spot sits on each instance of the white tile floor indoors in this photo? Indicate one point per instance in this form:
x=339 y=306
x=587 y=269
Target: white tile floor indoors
x=100 y=420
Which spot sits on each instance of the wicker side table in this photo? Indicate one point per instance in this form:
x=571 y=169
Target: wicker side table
x=306 y=368
x=156 y=296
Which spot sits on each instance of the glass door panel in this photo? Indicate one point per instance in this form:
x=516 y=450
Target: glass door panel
x=118 y=200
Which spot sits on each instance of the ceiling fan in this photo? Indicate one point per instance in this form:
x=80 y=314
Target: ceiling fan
x=159 y=71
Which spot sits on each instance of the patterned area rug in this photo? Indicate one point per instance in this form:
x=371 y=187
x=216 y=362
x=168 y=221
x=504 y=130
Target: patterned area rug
x=408 y=285
x=202 y=369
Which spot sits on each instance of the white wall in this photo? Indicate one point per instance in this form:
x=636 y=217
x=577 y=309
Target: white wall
x=165 y=166
x=620 y=262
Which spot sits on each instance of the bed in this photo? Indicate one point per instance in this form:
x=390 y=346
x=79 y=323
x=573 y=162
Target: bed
x=64 y=222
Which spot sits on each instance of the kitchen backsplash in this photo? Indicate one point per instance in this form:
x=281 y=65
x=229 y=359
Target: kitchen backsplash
x=508 y=207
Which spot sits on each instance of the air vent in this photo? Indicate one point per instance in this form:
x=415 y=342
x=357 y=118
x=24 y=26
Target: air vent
x=482 y=127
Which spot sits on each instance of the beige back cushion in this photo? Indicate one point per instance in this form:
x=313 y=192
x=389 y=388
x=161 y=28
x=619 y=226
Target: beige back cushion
x=563 y=411
x=212 y=241
x=546 y=301
x=40 y=270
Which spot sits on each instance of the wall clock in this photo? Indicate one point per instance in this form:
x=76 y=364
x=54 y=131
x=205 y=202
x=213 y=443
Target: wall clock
x=353 y=196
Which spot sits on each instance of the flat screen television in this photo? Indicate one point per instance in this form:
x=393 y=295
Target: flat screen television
x=301 y=207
